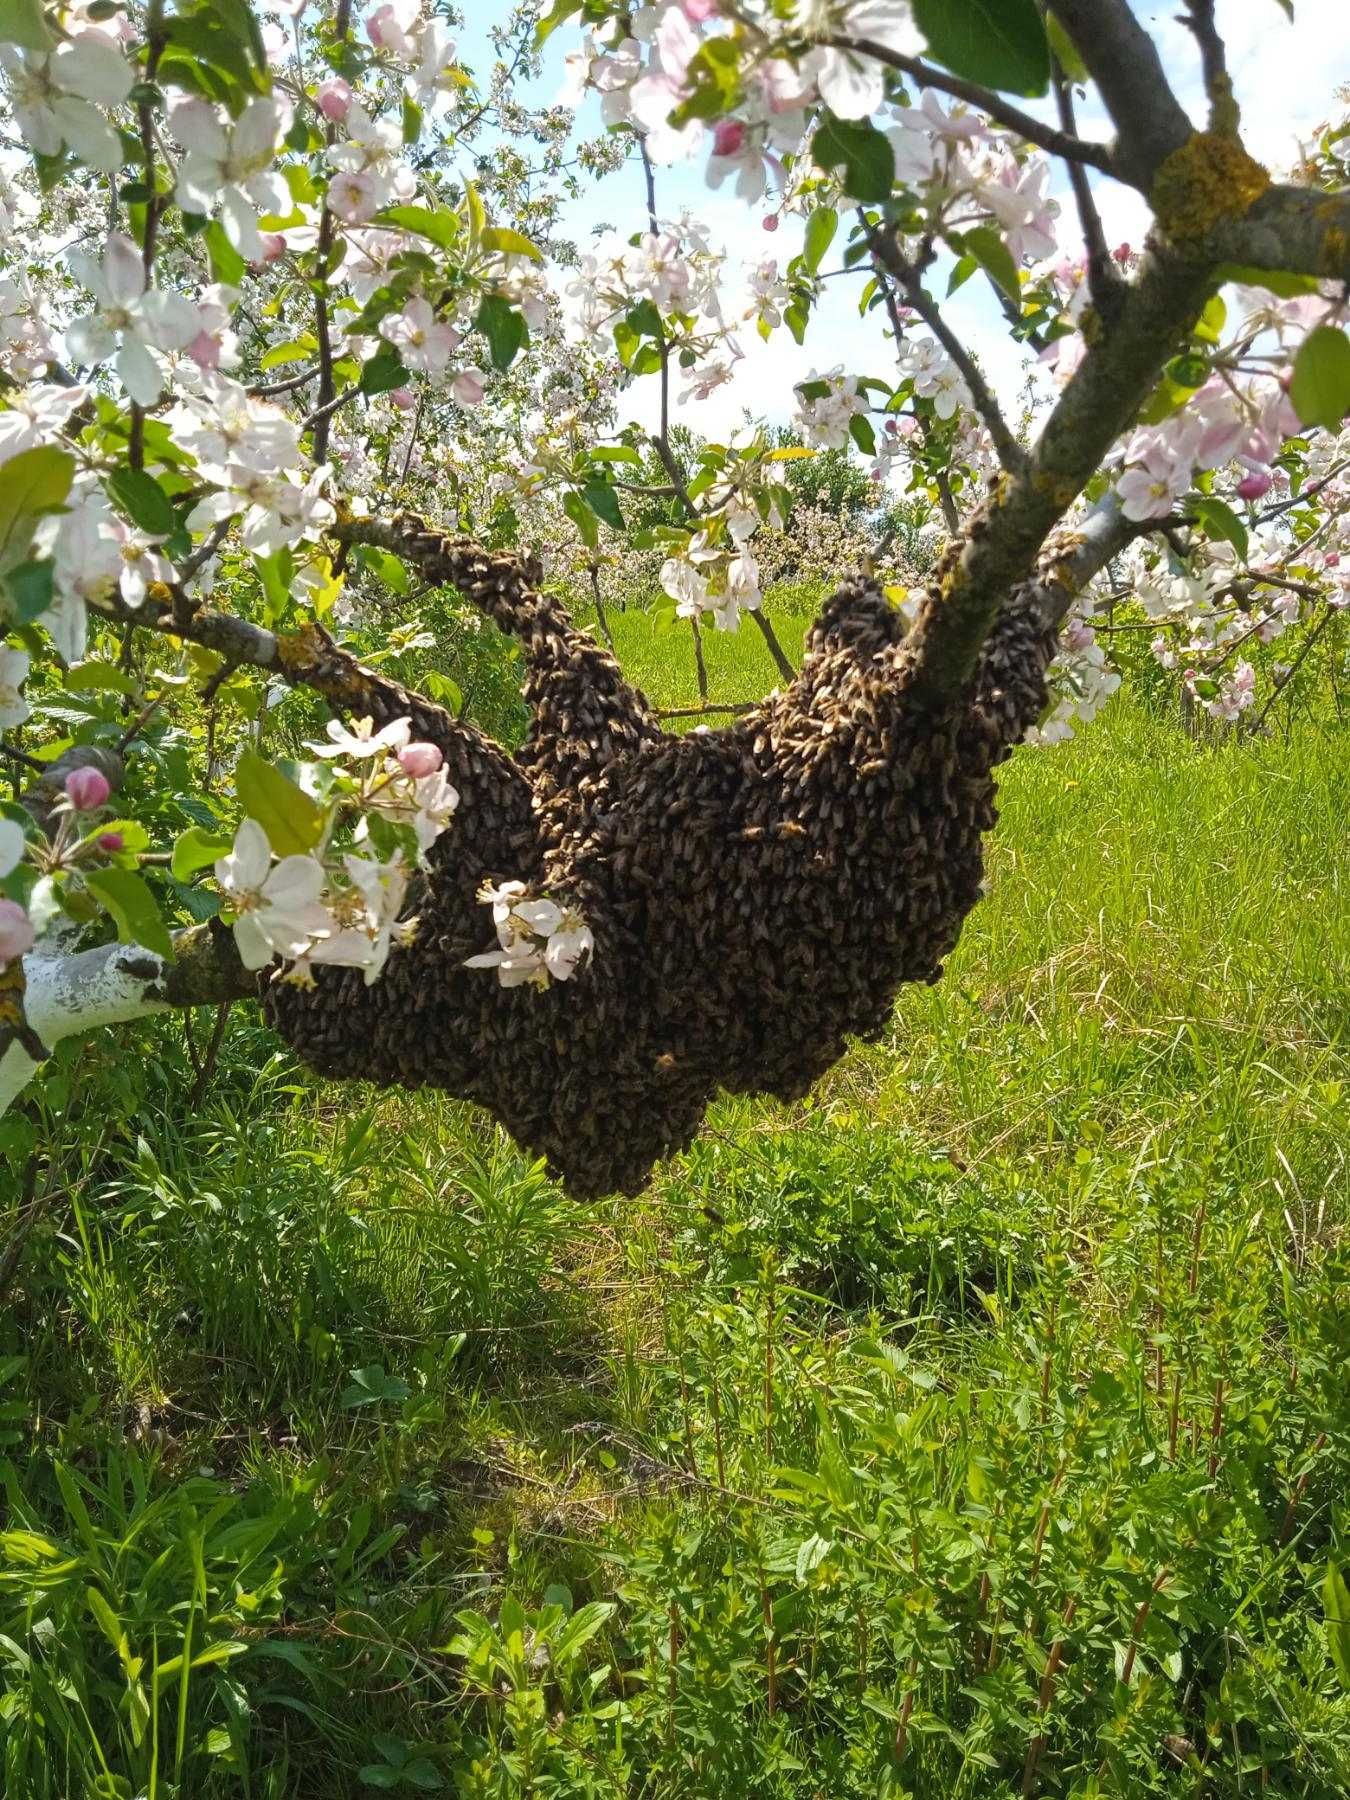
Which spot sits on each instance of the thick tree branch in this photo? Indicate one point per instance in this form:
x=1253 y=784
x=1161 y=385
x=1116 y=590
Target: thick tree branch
x=1300 y=231
x=1003 y=112
x=66 y=995
x=1121 y=58
x=1002 y=548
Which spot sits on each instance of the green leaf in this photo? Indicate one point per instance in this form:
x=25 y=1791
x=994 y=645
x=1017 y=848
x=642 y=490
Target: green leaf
x=143 y=500
x=1218 y=520
x=22 y=23
x=124 y=895
x=383 y=372
x=1336 y=1606
x=31 y=587
x=860 y=430
x=293 y=821
x=820 y=230
x=388 y=567
x=197 y=849
x=995 y=258
x=582 y=517
x=371 y=1385
x=1065 y=50
x=560 y=11
x=602 y=500
x=506 y=242
x=98 y=677
x=503 y=327
x=1275 y=281
x=442 y=227
x=866 y=156
x=35 y=482
x=411 y=120
x=227 y=265
x=281 y=354
x=1000 y=43
x=1320 y=389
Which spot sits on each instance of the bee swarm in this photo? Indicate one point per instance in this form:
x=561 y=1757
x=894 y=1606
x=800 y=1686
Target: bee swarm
x=757 y=893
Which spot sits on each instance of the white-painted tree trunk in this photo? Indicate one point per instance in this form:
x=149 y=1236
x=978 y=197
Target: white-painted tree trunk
x=73 y=994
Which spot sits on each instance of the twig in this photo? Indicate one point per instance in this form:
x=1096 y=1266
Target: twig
x=1035 y=131
x=322 y=414
x=1104 y=282
x=698 y=712
x=1010 y=452
x=268 y=390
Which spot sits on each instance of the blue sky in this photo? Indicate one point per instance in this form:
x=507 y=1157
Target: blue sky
x=1285 y=75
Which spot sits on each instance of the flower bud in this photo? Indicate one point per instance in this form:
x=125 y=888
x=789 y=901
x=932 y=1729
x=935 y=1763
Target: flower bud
x=728 y=136
x=402 y=398
x=274 y=246
x=110 y=842
x=1122 y=253
x=696 y=11
x=16 y=931
x=1252 y=486
x=419 y=759
x=333 y=98
x=205 y=349
x=771 y=223
x=87 y=789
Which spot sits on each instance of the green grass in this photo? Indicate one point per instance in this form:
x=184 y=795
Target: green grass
x=346 y=1455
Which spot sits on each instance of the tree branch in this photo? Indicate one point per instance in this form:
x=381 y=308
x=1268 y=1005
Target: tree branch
x=1104 y=282
x=1010 y=452
x=1002 y=548
x=1301 y=231
x=1003 y=112
x=1123 y=61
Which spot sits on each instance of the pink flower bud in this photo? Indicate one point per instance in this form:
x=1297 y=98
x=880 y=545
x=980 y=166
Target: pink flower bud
x=403 y=399
x=274 y=246
x=728 y=136
x=382 y=29
x=110 y=842
x=87 y=789
x=418 y=760
x=334 y=96
x=1252 y=486
x=467 y=387
x=1332 y=559
x=1122 y=253
x=696 y=11
x=771 y=223
x=16 y=931
x=205 y=350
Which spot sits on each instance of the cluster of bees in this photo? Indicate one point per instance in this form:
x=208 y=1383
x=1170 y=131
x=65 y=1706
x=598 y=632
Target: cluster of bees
x=757 y=893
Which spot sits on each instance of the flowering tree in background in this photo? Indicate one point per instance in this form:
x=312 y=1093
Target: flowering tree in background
x=271 y=276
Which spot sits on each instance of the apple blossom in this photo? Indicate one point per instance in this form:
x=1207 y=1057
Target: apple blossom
x=229 y=165
x=14 y=666
x=17 y=935
x=333 y=97
x=58 y=99
x=276 y=909
x=423 y=341
x=419 y=759
x=87 y=789
x=132 y=321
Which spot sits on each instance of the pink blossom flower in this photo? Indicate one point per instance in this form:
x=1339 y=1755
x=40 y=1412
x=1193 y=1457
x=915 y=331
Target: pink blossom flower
x=1253 y=486
x=87 y=789
x=402 y=398
x=16 y=931
x=273 y=246
x=333 y=97
x=468 y=388
x=728 y=137
x=419 y=760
